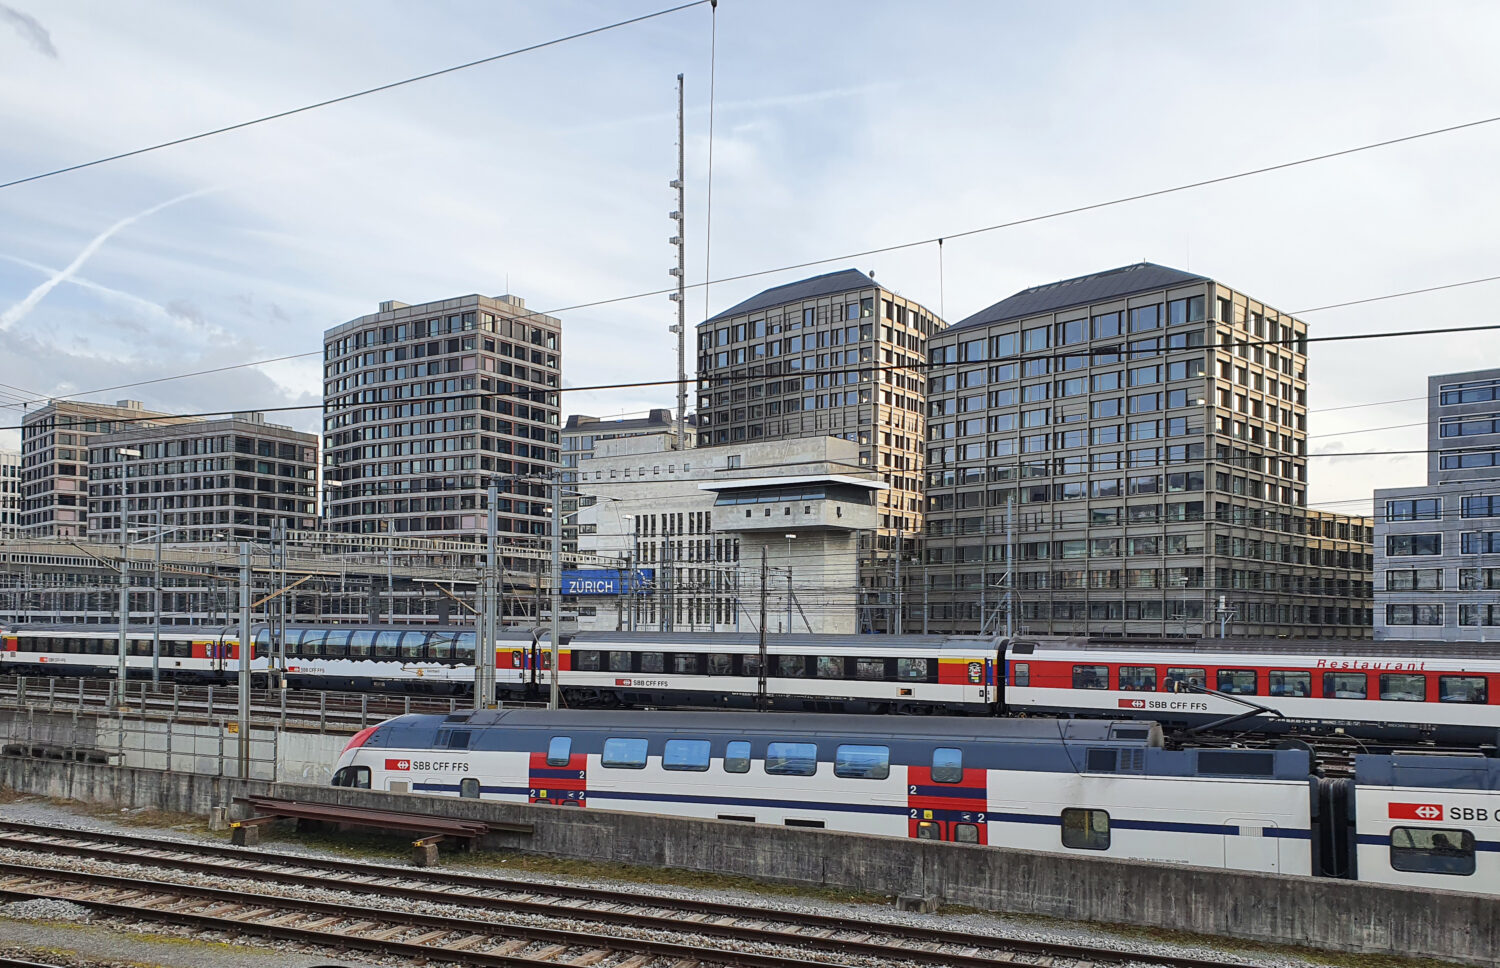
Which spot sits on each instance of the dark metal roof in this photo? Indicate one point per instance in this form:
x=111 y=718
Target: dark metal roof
x=828 y=284
x=1097 y=287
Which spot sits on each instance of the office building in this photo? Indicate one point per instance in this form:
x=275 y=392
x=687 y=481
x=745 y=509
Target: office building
x=55 y=461
x=583 y=433
x=202 y=481
x=699 y=522
x=835 y=355
x=1125 y=453
x=1437 y=546
x=10 y=493
x=426 y=404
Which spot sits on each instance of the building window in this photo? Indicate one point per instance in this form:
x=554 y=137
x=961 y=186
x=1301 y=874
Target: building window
x=1414 y=579
x=1410 y=614
x=1415 y=509
x=1404 y=545
x=1480 y=542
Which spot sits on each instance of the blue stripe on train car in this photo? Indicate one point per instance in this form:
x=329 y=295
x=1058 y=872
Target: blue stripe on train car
x=1384 y=840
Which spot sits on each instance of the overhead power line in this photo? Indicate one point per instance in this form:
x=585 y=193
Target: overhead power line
x=352 y=96
x=1120 y=352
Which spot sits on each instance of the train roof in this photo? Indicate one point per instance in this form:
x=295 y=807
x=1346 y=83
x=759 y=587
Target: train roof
x=937 y=728
x=1463 y=771
x=1259 y=646
x=874 y=643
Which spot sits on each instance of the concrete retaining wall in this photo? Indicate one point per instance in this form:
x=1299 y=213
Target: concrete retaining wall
x=1319 y=913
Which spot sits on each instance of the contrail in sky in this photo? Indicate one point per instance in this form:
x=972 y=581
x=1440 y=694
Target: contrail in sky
x=21 y=309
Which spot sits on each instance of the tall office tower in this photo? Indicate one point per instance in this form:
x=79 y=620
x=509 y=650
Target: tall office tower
x=582 y=434
x=1437 y=546
x=10 y=493
x=226 y=479
x=426 y=404
x=1125 y=453
x=55 y=461
x=835 y=355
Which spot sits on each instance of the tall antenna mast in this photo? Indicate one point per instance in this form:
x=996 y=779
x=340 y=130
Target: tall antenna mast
x=680 y=271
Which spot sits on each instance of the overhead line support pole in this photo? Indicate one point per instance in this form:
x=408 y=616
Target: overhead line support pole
x=246 y=653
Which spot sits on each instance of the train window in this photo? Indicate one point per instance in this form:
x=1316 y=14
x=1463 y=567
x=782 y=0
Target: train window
x=911 y=669
x=869 y=668
x=96 y=646
x=791 y=666
x=544 y=656
x=929 y=830
x=862 y=762
x=439 y=645
x=1289 y=683
x=337 y=644
x=263 y=640
x=830 y=667
x=624 y=754
x=791 y=759
x=387 y=645
x=1085 y=829
x=1237 y=682
x=687 y=663
x=619 y=662
x=459 y=739
x=1178 y=679
x=361 y=644
x=1424 y=850
x=465 y=647
x=1403 y=687
x=1090 y=677
x=413 y=645
x=517 y=659
x=140 y=647
x=750 y=665
x=1138 y=678
x=652 y=662
x=737 y=757
x=311 y=644
x=685 y=754
x=586 y=661
x=947 y=765
x=353 y=776
x=293 y=639
x=1023 y=673
x=559 y=748
x=1463 y=689
x=1344 y=685
x=181 y=650
x=468 y=788
x=966 y=833
x=720 y=664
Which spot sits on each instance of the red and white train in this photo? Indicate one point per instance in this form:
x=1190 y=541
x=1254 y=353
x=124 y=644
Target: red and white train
x=1390 y=692
x=1087 y=786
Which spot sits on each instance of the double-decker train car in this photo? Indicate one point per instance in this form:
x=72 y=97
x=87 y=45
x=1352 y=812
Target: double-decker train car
x=1082 y=785
x=1065 y=786
x=1426 y=821
x=1396 y=692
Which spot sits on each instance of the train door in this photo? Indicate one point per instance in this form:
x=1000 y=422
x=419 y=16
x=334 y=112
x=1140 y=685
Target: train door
x=1254 y=847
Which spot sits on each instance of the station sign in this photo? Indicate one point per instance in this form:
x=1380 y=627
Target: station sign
x=608 y=581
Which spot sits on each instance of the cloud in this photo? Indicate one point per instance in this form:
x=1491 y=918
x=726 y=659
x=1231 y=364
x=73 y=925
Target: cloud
x=30 y=30
x=21 y=309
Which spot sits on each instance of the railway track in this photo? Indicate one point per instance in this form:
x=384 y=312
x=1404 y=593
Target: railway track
x=492 y=920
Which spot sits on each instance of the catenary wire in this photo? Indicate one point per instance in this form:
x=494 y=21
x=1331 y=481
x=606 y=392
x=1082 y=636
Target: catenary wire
x=357 y=94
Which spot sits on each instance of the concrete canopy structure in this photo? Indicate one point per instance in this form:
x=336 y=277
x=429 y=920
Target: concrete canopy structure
x=1125 y=453
x=690 y=516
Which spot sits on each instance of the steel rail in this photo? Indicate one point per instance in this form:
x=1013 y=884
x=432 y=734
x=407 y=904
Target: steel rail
x=24 y=881
x=381 y=878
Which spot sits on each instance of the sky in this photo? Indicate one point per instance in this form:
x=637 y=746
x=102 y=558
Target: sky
x=837 y=127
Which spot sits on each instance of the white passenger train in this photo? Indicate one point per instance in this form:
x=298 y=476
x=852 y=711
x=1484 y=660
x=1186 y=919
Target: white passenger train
x=1089 y=786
